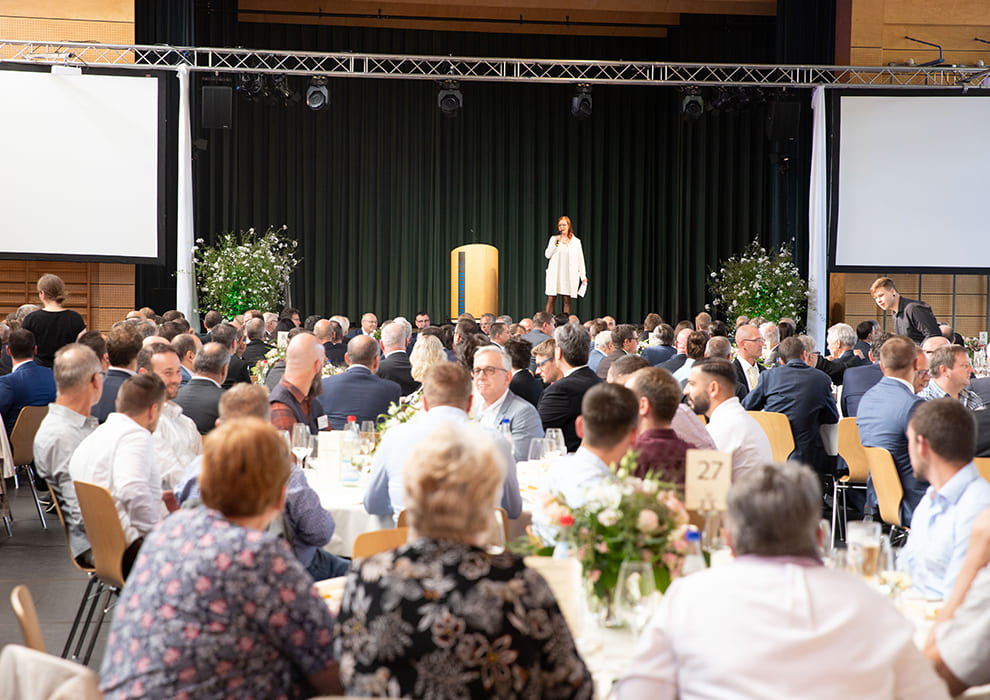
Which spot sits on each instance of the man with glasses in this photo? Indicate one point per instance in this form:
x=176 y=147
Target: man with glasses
x=492 y=374
x=546 y=368
x=749 y=349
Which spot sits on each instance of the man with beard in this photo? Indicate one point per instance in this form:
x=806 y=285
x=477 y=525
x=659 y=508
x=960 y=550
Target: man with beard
x=293 y=400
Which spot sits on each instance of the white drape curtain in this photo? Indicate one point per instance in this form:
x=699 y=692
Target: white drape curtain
x=185 y=293
x=817 y=225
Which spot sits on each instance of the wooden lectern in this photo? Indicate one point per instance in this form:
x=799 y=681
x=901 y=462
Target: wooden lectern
x=473 y=280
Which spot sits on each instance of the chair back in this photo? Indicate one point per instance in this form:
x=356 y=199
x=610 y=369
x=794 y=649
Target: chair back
x=65 y=527
x=22 y=436
x=27 y=617
x=104 y=531
x=851 y=450
x=778 y=430
x=983 y=465
x=403 y=520
x=368 y=543
x=887 y=483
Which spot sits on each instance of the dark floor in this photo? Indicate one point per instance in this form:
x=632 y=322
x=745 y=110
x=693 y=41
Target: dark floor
x=39 y=558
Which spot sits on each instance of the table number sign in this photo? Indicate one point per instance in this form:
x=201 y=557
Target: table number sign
x=707 y=480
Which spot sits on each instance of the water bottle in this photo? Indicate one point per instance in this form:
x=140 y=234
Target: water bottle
x=350 y=447
x=694 y=560
x=505 y=429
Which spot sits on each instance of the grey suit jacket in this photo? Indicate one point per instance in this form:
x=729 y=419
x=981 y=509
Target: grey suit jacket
x=524 y=422
x=200 y=399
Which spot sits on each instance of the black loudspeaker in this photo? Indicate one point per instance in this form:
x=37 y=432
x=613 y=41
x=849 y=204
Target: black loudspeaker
x=216 y=107
x=783 y=121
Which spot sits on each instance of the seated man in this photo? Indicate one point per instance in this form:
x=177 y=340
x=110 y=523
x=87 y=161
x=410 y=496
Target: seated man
x=950 y=370
x=447 y=395
x=293 y=399
x=560 y=404
x=664 y=348
x=546 y=369
x=941 y=436
x=492 y=373
x=28 y=384
x=124 y=342
x=358 y=392
x=661 y=452
x=79 y=380
x=395 y=364
x=120 y=456
x=177 y=440
x=625 y=367
x=307 y=526
x=523 y=383
x=775 y=623
x=201 y=394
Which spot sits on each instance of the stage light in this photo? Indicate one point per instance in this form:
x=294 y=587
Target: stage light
x=449 y=98
x=581 y=102
x=692 y=104
x=251 y=86
x=317 y=95
x=282 y=92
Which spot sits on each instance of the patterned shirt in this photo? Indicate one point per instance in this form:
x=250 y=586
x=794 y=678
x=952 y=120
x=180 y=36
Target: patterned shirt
x=214 y=610
x=440 y=619
x=969 y=399
x=282 y=416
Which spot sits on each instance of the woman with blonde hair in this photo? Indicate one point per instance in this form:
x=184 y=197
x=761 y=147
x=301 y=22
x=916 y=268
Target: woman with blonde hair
x=565 y=271
x=441 y=616
x=215 y=605
x=53 y=325
x=427 y=351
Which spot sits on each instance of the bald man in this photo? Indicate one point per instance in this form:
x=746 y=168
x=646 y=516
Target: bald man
x=293 y=400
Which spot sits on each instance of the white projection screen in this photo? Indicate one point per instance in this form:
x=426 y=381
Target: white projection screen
x=912 y=182
x=79 y=170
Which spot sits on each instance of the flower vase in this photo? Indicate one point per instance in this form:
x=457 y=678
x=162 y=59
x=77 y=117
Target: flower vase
x=602 y=610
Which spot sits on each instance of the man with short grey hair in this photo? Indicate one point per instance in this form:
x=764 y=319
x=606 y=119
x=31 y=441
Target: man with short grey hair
x=492 y=375
x=396 y=366
x=623 y=343
x=801 y=619
x=201 y=394
x=560 y=404
x=256 y=348
x=603 y=348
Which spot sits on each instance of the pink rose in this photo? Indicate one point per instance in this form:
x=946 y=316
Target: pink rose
x=647 y=521
x=594 y=575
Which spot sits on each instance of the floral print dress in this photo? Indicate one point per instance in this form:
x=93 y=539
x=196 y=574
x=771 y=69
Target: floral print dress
x=440 y=619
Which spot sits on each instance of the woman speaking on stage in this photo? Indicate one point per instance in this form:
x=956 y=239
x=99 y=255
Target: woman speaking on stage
x=566 y=270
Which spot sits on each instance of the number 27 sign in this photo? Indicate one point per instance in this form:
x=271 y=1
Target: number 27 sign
x=707 y=480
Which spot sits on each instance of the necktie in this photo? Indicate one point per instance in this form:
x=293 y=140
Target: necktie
x=752 y=376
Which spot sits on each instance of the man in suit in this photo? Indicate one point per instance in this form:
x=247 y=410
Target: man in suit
x=749 y=349
x=123 y=345
x=523 y=383
x=602 y=348
x=499 y=333
x=840 y=341
x=864 y=336
x=664 y=350
x=395 y=366
x=201 y=395
x=623 y=343
x=680 y=346
x=856 y=381
x=492 y=374
x=883 y=416
x=330 y=334
x=237 y=370
x=770 y=332
x=719 y=348
x=560 y=404
x=187 y=345
x=369 y=324
x=804 y=395
x=211 y=319
x=542 y=331
x=358 y=392
x=256 y=348
x=28 y=384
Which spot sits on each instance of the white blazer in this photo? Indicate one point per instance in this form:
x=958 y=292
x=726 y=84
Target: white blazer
x=575 y=272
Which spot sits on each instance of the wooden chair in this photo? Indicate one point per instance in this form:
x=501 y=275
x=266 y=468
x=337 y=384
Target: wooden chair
x=106 y=537
x=27 y=617
x=778 y=430
x=887 y=484
x=22 y=448
x=983 y=465
x=851 y=450
x=502 y=517
x=368 y=543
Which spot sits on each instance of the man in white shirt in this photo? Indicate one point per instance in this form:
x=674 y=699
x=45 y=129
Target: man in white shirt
x=492 y=374
x=446 y=399
x=775 y=623
x=711 y=391
x=120 y=456
x=177 y=440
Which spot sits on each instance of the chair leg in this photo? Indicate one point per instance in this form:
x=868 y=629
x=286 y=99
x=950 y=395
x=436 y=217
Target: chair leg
x=79 y=613
x=111 y=591
x=17 y=484
x=835 y=507
x=89 y=618
x=6 y=524
x=34 y=492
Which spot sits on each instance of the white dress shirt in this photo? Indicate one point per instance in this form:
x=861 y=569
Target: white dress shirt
x=738 y=433
x=751 y=372
x=962 y=640
x=777 y=627
x=120 y=456
x=177 y=443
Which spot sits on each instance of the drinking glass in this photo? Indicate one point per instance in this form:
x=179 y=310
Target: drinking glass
x=894 y=581
x=863 y=547
x=367 y=437
x=557 y=446
x=635 y=594
x=301 y=443
x=496 y=535
x=538 y=449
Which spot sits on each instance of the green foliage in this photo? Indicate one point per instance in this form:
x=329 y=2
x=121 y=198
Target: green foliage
x=759 y=283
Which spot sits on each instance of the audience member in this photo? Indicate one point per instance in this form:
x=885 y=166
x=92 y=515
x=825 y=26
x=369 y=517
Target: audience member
x=201 y=394
x=395 y=365
x=770 y=333
x=694 y=350
x=427 y=352
x=492 y=375
x=856 y=381
x=602 y=347
x=293 y=400
x=256 y=348
x=237 y=368
x=123 y=345
x=661 y=452
x=369 y=324
x=623 y=343
x=560 y=404
x=680 y=346
x=523 y=383
x=622 y=368
x=865 y=330
x=950 y=370
x=28 y=384
x=187 y=345
x=787 y=609
x=663 y=349
x=358 y=392
x=546 y=369
x=749 y=350
x=53 y=325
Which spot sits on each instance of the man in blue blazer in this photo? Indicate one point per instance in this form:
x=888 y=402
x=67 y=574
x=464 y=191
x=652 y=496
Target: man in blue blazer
x=560 y=404
x=660 y=353
x=123 y=345
x=28 y=384
x=492 y=374
x=804 y=395
x=358 y=392
x=883 y=416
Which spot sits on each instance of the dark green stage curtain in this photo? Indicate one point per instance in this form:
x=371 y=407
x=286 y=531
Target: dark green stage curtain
x=381 y=186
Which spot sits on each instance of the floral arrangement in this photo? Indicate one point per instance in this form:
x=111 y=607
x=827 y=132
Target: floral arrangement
x=759 y=283
x=401 y=412
x=623 y=519
x=261 y=368
x=973 y=345
x=244 y=271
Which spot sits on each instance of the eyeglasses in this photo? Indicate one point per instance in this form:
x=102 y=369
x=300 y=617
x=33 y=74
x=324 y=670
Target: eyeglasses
x=540 y=364
x=487 y=371
x=753 y=340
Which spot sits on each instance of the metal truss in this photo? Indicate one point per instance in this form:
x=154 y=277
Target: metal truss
x=353 y=65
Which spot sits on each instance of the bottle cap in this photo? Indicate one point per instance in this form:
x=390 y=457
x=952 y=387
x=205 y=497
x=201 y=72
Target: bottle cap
x=693 y=536
x=352 y=419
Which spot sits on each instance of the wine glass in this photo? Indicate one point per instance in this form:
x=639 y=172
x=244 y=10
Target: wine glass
x=557 y=446
x=538 y=449
x=636 y=594
x=301 y=443
x=367 y=437
x=496 y=535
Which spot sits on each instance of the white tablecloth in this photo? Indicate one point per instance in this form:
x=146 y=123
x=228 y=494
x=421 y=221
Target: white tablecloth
x=346 y=505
